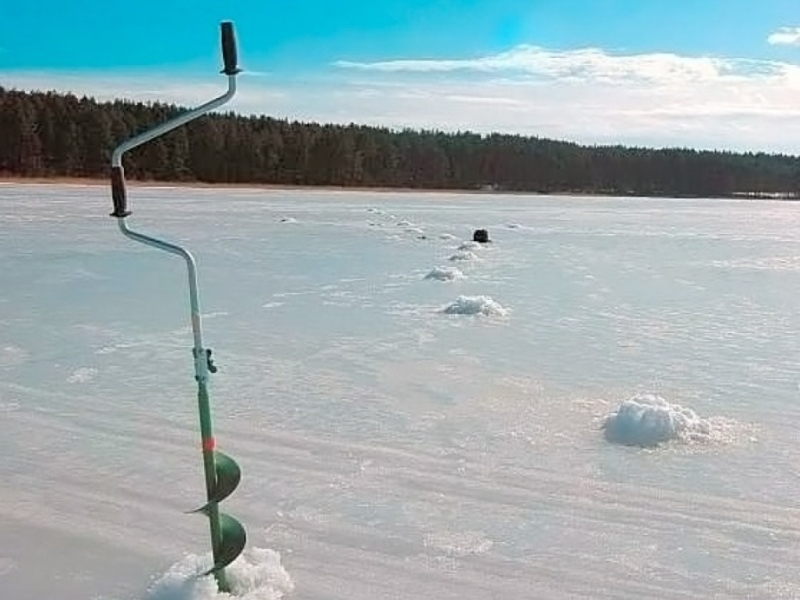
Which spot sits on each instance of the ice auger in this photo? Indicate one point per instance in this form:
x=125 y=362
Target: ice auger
x=222 y=474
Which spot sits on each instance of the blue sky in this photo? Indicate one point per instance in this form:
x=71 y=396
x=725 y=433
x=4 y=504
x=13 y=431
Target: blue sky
x=700 y=73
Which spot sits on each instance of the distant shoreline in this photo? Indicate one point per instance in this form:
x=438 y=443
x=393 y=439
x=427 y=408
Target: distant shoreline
x=97 y=181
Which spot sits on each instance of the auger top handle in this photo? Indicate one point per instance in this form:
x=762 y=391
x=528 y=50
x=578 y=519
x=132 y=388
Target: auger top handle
x=230 y=68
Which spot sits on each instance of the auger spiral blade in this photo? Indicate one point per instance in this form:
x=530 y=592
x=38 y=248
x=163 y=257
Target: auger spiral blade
x=228 y=477
x=232 y=542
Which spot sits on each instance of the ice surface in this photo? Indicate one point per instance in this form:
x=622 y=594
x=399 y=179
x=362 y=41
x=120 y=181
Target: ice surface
x=388 y=450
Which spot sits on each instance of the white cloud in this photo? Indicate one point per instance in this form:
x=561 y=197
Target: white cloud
x=786 y=36
x=588 y=96
x=581 y=65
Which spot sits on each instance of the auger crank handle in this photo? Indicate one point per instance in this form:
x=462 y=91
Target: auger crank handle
x=230 y=68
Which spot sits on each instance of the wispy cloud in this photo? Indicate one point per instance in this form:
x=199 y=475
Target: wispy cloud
x=589 y=64
x=589 y=96
x=785 y=36
x=594 y=96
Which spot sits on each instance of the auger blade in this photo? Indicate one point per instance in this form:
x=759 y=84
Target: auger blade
x=228 y=477
x=233 y=541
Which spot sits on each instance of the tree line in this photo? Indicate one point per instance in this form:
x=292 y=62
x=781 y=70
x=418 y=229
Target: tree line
x=44 y=134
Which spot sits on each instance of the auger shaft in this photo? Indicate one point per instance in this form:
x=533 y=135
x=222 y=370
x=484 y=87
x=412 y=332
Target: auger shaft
x=210 y=469
x=222 y=474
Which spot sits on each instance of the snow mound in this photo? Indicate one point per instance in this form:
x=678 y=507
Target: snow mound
x=256 y=575
x=459 y=544
x=469 y=246
x=648 y=420
x=82 y=375
x=464 y=255
x=445 y=274
x=476 y=305
x=12 y=355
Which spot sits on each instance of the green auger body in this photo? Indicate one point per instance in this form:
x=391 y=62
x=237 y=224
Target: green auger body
x=228 y=536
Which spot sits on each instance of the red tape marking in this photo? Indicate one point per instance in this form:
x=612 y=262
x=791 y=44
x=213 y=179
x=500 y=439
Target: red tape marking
x=209 y=444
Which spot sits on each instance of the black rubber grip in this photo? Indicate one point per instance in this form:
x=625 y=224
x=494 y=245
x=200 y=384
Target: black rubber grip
x=229 y=57
x=118 y=194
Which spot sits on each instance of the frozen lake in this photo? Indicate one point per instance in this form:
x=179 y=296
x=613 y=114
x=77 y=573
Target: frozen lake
x=415 y=418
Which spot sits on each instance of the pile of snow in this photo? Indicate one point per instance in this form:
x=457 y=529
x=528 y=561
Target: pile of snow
x=469 y=246
x=648 y=420
x=445 y=274
x=475 y=305
x=256 y=575
x=464 y=255
x=82 y=375
x=12 y=355
x=447 y=236
x=458 y=544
